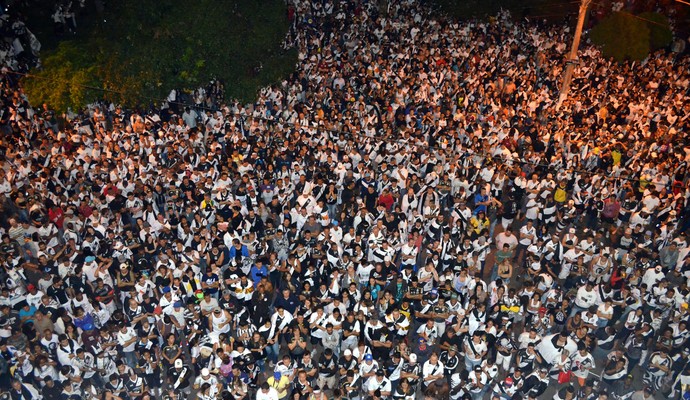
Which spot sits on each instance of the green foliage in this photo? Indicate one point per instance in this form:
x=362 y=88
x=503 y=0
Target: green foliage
x=660 y=34
x=622 y=36
x=550 y=10
x=140 y=49
x=64 y=80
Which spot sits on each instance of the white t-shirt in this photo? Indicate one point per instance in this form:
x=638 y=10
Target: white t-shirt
x=428 y=369
x=122 y=338
x=271 y=395
x=527 y=231
x=374 y=384
x=585 y=299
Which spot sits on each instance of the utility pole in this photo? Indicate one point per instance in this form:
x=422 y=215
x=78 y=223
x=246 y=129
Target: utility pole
x=572 y=57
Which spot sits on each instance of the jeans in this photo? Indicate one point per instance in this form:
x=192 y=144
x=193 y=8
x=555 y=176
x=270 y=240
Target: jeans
x=576 y=309
x=272 y=351
x=130 y=359
x=469 y=364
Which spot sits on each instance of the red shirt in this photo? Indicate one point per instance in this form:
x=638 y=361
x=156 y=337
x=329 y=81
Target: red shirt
x=57 y=216
x=386 y=200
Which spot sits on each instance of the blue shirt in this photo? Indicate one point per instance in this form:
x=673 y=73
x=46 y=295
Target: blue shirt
x=209 y=280
x=257 y=273
x=478 y=198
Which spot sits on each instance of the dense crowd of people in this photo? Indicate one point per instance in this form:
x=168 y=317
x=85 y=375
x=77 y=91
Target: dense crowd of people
x=409 y=215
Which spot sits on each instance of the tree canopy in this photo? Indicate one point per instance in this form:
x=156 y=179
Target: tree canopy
x=139 y=50
x=624 y=36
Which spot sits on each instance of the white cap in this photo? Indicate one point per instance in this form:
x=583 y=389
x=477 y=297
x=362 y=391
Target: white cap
x=347 y=352
x=204 y=372
x=413 y=357
x=178 y=363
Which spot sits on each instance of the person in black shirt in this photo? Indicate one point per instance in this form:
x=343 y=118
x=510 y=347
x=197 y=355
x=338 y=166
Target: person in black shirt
x=116 y=386
x=559 y=316
x=52 y=389
x=179 y=377
x=76 y=283
x=57 y=291
x=136 y=385
x=536 y=383
x=104 y=294
x=450 y=360
x=328 y=365
x=302 y=387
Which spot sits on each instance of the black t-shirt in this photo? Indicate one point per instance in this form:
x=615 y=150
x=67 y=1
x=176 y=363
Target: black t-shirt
x=379 y=276
x=257 y=352
x=58 y=294
x=327 y=366
x=102 y=292
x=451 y=341
x=52 y=393
x=229 y=272
x=510 y=209
x=77 y=283
x=412 y=369
x=560 y=316
x=425 y=309
x=347 y=364
x=162 y=281
x=174 y=375
x=49 y=268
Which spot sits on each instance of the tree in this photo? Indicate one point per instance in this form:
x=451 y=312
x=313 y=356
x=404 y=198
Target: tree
x=660 y=34
x=65 y=79
x=622 y=36
x=141 y=49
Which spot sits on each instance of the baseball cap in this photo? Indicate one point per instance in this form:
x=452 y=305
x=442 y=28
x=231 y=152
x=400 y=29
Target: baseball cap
x=178 y=363
x=413 y=357
x=509 y=381
x=277 y=375
x=368 y=357
x=177 y=304
x=477 y=368
x=379 y=372
x=347 y=352
x=205 y=372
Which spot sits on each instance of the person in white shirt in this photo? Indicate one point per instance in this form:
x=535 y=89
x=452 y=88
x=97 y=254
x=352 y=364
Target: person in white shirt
x=585 y=298
x=127 y=338
x=526 y=338
x=653 y=276
x=408 y=254
x=427 y=276
x=432 y=370
x=381 y=383
x=212 y=380
x=506 y=237
x=266 y=392
x=528 y=235
x=552 y=346
x=428 y=331
x=581 y=362
x=475 y=350
x=368 y=367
